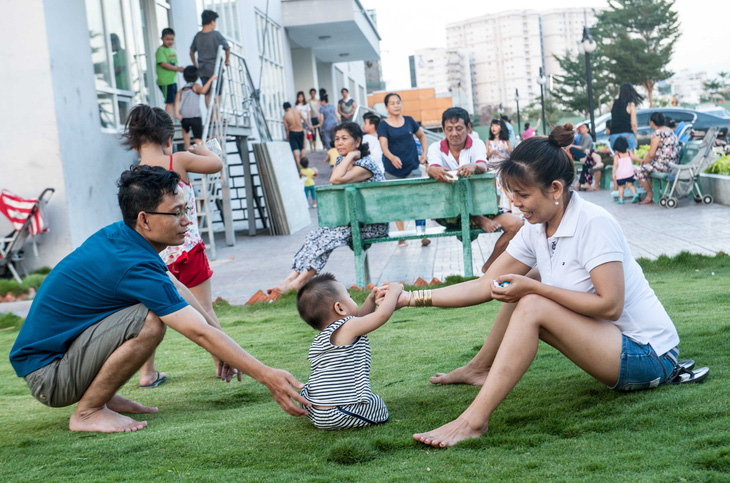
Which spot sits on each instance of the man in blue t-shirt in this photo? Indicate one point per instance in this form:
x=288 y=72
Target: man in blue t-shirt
x=103 y=310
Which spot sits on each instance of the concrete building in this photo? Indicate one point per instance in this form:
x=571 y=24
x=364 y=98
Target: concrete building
x=78 y=66
x=687 y=86
x=510 y=47
x=448 y=71
x=373 y=69
x=421 y=104
x=562 y=30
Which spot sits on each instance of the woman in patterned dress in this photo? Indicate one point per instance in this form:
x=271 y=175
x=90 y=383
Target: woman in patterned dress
x=498 y=149
x=354 y=165
x=664 y=149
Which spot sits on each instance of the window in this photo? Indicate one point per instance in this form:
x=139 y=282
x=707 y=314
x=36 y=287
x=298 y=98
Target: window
x=273 y=85
x=228 y=22
x=119 y=58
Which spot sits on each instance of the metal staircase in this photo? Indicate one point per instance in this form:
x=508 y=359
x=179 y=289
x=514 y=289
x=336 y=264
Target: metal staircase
x=228 y=119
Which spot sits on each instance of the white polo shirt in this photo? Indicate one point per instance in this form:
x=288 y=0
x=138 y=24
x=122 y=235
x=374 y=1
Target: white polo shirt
x=588 y=236
x=439 y=154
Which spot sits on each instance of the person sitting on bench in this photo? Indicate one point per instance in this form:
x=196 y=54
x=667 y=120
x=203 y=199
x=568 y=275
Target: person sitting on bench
x=459 y=152
x=354 y=165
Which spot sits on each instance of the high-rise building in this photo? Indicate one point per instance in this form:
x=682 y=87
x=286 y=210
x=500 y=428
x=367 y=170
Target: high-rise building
x=562 y=30
x=448 y=71
x=510 y=47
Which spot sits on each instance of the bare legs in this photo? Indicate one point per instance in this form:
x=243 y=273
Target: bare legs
x=593 y=345
x=511 y=224
x=294 y=281
x=202 y=292
x=647 y=184
x=98 y=408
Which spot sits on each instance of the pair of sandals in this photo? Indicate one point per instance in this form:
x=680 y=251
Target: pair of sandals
x=684 y=373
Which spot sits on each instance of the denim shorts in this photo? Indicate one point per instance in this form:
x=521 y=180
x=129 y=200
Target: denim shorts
x=642 y=368
x=629 y=138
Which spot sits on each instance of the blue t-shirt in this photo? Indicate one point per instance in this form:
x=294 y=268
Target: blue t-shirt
x=402 y=144
x=115 y=268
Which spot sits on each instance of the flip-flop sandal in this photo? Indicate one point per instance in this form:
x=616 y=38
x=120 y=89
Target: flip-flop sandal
x=689 y=376
x=157 y=382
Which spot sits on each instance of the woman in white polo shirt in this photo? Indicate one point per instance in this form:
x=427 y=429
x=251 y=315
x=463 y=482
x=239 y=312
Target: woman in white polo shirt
x=572 y=283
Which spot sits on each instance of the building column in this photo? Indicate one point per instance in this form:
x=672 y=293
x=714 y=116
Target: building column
x=325 y=76
x=304 y=66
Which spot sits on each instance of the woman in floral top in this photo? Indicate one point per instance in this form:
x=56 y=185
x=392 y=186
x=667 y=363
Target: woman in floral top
x=664 y=149
x=354 y=165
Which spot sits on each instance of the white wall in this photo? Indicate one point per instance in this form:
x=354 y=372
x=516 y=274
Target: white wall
x=92 y=160
x=30 y=155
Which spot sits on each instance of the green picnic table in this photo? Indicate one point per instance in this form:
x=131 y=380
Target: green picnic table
x=407 y=199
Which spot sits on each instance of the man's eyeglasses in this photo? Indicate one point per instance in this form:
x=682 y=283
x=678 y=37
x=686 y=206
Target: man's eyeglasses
x=177 y=214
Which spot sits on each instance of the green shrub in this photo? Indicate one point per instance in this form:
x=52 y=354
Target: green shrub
x=9 y=319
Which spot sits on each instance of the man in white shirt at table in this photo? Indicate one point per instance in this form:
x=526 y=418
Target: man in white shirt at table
x=462 y=156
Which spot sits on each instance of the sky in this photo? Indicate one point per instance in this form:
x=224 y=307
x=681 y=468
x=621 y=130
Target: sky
x=407 y=25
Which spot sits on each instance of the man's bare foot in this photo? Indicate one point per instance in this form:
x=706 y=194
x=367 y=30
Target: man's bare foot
x=123 y=405
x=148 y=378
x=451 y=433
x=462 y=375
x=103 y=420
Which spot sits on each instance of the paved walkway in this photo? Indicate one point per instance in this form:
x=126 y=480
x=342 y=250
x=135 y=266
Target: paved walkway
x=262 y=261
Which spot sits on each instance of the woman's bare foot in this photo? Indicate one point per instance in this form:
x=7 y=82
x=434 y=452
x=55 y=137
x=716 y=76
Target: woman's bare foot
x=123 y=405
x=103 y=420
x=489 y=226
x=147 y=378
x=451 y=433
x=462 y=375
x=646 y=201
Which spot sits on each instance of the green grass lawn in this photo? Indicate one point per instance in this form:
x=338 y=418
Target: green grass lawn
x=557 y=424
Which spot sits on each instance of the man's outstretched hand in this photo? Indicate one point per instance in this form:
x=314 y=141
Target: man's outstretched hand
x=282 y=387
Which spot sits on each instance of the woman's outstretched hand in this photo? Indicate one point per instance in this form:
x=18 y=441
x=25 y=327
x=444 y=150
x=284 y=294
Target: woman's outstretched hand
x=380 y=292
x=518 y=287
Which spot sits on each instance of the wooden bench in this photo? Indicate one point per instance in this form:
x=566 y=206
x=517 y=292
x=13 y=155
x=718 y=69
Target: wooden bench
x=407 y=199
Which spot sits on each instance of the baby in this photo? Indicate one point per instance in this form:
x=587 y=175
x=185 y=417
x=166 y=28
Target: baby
x=339 y=386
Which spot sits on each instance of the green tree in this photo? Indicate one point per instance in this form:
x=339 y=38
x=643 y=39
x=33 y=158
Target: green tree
x=571 y=88
x=638 y=38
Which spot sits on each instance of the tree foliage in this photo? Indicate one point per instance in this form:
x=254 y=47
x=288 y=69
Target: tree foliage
x=571 y=88
x=638 y=38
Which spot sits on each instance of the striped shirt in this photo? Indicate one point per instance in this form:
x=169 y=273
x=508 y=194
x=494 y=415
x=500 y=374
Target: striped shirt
x=340 y=373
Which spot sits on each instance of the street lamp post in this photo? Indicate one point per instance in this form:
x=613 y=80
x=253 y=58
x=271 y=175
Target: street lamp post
x=542 y=80
x=588 y=46
x=517 y=100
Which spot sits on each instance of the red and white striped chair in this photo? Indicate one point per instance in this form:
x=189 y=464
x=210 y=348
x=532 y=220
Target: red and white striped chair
x=27 y=219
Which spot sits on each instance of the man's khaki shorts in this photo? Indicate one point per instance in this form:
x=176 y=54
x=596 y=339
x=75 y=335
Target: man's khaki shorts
x=64 y=381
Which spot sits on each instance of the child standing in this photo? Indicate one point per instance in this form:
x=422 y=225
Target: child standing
x=167 y=69
x=149 y=131
x=309 y=173
x=624 y=169
x=187 y=105
x=339 y=386
x=206 y=43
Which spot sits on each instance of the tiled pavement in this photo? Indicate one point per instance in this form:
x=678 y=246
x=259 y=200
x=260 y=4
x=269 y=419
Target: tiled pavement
x=262 y=261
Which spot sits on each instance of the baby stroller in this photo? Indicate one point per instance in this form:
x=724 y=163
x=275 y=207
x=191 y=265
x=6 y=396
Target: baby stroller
x=27 y=219
x=685 y=178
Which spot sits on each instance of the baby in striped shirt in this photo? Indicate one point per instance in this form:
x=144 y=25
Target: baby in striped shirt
x=339 y=386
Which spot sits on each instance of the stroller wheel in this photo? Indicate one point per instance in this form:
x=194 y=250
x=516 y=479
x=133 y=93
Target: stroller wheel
x=663 y=201
x=672 y=202
x=697 y=198
x=707 y=199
